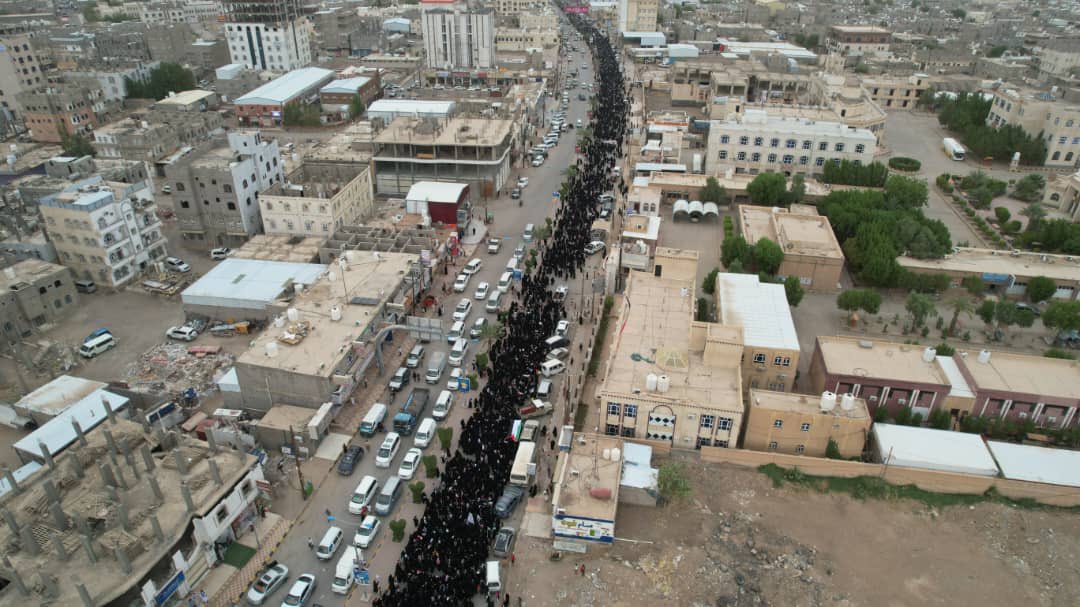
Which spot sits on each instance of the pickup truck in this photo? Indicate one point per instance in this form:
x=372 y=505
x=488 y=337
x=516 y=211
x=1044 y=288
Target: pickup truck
x=408 y=417
x=535 y=408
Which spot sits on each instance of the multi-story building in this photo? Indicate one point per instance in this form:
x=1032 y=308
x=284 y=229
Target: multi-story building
x=216 y=189
x=175 y=11
x=33 y=294
x=72 y=107
x=761 y=313
x=896 y=92
x=105 y=231
x=1005 y=274
x=638 y=15
x=172 y=123
x=465 y=150
x=863 y=40
x=265 y=106
x=759 y=143
x=318 y=198
x=811 y=250
x=514 y=7
x=800 y=424
x=1058 y=59
x=338 y=95
x=687 y=390
x=1040 y=113
x=1063 y=193
x=334 y=27
x=113 y=76
x=204 y=56
x=21 y=68
x=267 y=34
x=456 y=36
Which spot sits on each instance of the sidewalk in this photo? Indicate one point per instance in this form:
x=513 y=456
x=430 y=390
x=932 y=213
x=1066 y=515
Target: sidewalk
x=224 y=584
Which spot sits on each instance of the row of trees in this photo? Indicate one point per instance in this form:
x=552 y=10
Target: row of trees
x=763 y=258
x=966 y=115
x=301 y=114
x=164 y=79
x=871 y=175
x=1052 y=235
x=771 y=189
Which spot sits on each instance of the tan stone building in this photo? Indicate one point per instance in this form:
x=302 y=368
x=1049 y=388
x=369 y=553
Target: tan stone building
x=801 y=424
x=761 y=314
x=811 y=250
x=896 y=92
x=318 y=198
x=668 y=377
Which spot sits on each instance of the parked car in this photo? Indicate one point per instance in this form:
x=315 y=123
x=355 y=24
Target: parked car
x=400 y=379
x=594 y=247
x=182 y=333
x=482 y=290
x=494 y=245
x=537 y=161
x=367 y=531
x=473 y=266
x=478 y=327
x=515 y=193
x=562 y=328
x=220 y=253
x=177 y=265
x=270 y=580
x=523 y=182
x=349 y=459
x=301 y=591
x=509 y=499
x=85 y=286
x=409 y=464
x=464 y=307
x=452 y=383
x=460 y=283
x=504 y=542
x=1026 y=306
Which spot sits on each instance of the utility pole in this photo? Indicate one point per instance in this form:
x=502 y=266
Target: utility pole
x=296 y=456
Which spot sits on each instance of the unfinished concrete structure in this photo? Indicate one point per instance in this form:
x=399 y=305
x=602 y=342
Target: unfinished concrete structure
x=371 y=238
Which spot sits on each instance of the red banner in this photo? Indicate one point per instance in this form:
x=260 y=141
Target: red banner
x=578 y=10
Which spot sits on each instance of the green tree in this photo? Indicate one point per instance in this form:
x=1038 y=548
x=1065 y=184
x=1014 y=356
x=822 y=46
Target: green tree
x=1040 y=288
x=832 y=450
x=397 y=529
x=417 y=490
x=798 y=189
x=734 y=249
x=77 y=145
x=1035 y=214
x=1029 y=187
x=959 y=13
x=446 y=438
x=794 y=290
x=672 y=482
x=356 y=106
x=1003 y=215
x=974 y=285
x=1062 y=315
x=866 y=300
x=714 y=192
x=164 y=79
x=920 y=307
x=701 y=310
x=940 y=419
x=709 y=284
x=905 y=192
x=767 y=256
x=997 y=51
x=960 y=306
x=768 y=189
x=986 y=311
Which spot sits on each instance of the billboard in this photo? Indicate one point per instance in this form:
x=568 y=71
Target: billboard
x=577 y=10
x=583 y=528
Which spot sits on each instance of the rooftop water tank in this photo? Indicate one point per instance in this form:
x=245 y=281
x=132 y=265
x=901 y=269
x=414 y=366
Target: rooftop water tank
x=847 y=402
x=984 y=356
x=928 y=355
x=271 y=349
x=650 y=382
x=293 y=314
x=335 y=313
x=663 y=383
x=828 y=401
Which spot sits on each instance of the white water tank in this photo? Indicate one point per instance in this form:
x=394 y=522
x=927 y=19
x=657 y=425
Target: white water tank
x=847 y=402
x=929 y=354
x=663 y=383
x=350 y=256
x=293 y=314
x=828 y=401
x=343 y=263
x=331 y=276
x=650 y=382
x=606 y=454
x=279 y=321
x=616 y=453
x=271 y=349
x=10 y=273
x=335 y=313
x=984 y=356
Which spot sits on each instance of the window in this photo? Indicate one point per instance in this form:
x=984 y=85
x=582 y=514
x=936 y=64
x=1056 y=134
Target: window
x=823 y=146
x=820 y=162
x=720 y=443
x=860 y=148
x=806 y=145
x=805 y=427
x=723 y=155
x=231 y=206
x=1076 y=140
x=778 y=423
x=629 y=410
x=755 y=157
x=839 y=147
x=772 y=157
x=707 y=421
x=800 y=449
x=772 y=445
x=804 y=160
x=790 y=144
x=704 y=442
x=611 y=429
x=744 y=140
x=1057 y=156
x=227 y=188
x=759 y=359
x=613 y=408
x=724 y=139
x=758 y=141
x=179 y=187
x=742 y=156
x=776 y=361
x=774 y=143
x=222 y=514
x=628 y=432
x=788 y=159
x=787 y=361
x=725 y=423
x=1062 y=140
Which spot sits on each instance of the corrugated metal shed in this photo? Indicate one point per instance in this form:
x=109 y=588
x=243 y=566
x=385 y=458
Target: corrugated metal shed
x=931 y=449
x=58 y=433
x=281 y=90
x=248 y=284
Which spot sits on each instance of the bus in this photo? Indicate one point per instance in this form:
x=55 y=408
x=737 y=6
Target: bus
x=519 y=474
x=952 y=148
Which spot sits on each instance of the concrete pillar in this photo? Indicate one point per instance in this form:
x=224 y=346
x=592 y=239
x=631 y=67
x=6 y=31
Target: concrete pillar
x=109 y=440
x=76 y=467
x=48 y=583
x=59 y=519
x=88 y=546
x=186 y=492
x=12 y=522
x=122 y=514
x=84 y=595
x=47 y=455
x=181 y=461
x=214 y=471
x=211 y=442
x=82 y=525
x=108 y=410
x=50 y=491
x=58 y=544
x=156 y=524
x=121 y=481
x=79 y=432
x=156 y=488
x=28 y=541
x=15 y=577
x=148 y=458
x=125 y=564
x=10 y=476
x=107 y=476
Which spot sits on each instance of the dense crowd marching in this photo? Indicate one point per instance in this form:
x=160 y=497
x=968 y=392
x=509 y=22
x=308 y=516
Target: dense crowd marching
x=443 y=563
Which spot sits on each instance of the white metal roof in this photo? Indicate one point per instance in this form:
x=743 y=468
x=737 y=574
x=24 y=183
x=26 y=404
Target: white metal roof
x=59 y=394
x=345 y=85
x=21 y=474
x=637 y=470
x=436 y=191
x=931 y=449
x=958 y=386
x=248 y=283
x=760 y=308
x=58 y=432
x=285 y=88
x=1037 y=464
x=409 y=107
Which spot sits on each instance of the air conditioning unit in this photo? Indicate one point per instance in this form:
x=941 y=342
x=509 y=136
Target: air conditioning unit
x=1023 y=415
x=873 y=398
x=901 y=401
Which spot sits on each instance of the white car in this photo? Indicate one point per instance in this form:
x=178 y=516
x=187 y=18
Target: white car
x=519 y=251
x=482 y=290
x=177 y=265
x=523 y=182
x=183 y=333
x=409 y=464
x=367 y=531
x=220 y=253
x=473 y=266
x=538 y=161
x=460 y=283
x=464 y=307
x=271 y=579
x=387 y=450
x=453 y=383
x=562 y=328
x=493 y=246
x=301 y=591
x=594 y=247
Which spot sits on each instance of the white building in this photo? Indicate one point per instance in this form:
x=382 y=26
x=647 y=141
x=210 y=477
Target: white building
x=457 y=37
x=638 y=15
x=176 y=11
x=758 y=143
x=272 y=35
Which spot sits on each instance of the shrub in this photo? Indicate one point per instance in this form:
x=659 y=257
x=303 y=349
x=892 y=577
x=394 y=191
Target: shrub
x=832 y=450
x=709 y=284
x=398 y=529
x=431 y=465
x=672 y=483
x=417 y=490
x=446 y=438
x=1058 y=353
x=903 y=163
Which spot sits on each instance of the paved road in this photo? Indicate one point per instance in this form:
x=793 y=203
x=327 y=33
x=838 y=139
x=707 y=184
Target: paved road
x=509 y=221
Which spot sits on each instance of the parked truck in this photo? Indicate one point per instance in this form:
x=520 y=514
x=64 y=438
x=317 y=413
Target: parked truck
x=408 y=417
x=535 y=408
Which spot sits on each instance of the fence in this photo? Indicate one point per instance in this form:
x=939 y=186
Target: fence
x=927 y=480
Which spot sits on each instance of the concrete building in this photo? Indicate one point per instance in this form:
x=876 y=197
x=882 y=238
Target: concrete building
x=135 y=139
x=105 y=231
x=216 y=189
x=265 y=106
x=1040 y=113
x=760 y=311
x=22 y=67
x=1063 y=193
x=317 y=198
x=75 y=106
x=929 y=449
x=320 y=352
x=337 y=96
x=33 y=295
x=334 y=27
x=760 y=143
x=444 y=202
x=896 y=92
x=467 y=150
x=389 y=109
x=800 y=424
x=195 y=100
x=175 y=11
x=578 y=513
x=1020 y=387
x=270 y=247
x=1057 y=59
x=267 y=34
x=638 y=15
x=811 y=250
x=456 y=36
x=688 y=390
x=1004 y=274
x=113 y=75
x=246 y=288
x=861 y=40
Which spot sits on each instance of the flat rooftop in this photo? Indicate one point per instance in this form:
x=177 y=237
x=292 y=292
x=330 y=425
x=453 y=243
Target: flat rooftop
x=360 y=291
x=761 y=309
x=796 y=233
x=860 y=29
x=1037 y=464
x=285 y=88
x=764 y=123
x=186 y=98
x=461 y=132
x=572 y=490
x=1036 y=375
x=27 y=271
x=286 y=417
x=932 y=449
x=989 y=261
x=878 y=358
x=807 y=404
x=280 y=247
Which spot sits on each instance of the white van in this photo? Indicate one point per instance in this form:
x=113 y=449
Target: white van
x=389 y=448
x=505 y=281
x=493 y=579
x=425 y=433
x=511 y=266
x=457 y=353
x=99 y=344
x=552 y=367
x=388 y=497
x=343 y=573
x=331 y=541
x=493 y=302
x=443 y=405
x=363 y=494
x=528 y=234
x=456 y=331
x=375 y=416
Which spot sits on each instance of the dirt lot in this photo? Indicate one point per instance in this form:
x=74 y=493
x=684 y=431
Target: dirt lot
x=740 y=541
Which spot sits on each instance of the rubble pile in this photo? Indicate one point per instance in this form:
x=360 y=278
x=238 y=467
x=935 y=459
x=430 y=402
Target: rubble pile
x=169 y=367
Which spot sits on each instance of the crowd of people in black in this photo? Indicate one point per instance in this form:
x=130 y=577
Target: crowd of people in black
x=443 y=562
